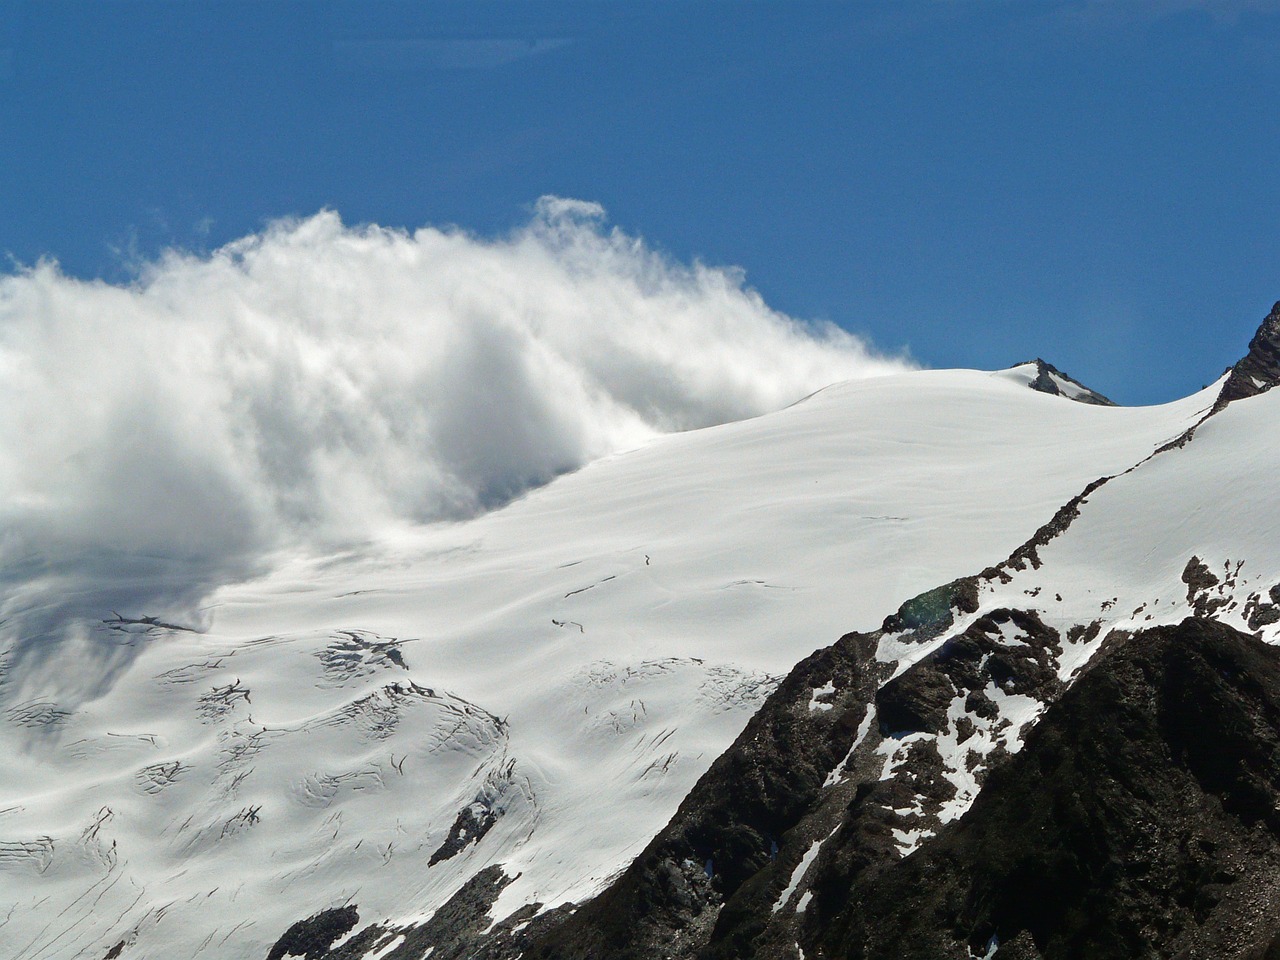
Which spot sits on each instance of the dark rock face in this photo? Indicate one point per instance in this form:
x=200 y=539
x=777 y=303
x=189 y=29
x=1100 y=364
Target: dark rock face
x=1259 y=613
x=311 y=938
x=457 y=931
x=1259 y=370
x=469 y=827
x=932 y=612
x=918 y=699
x=858 y=823
x=1200 y=582
x=1140 y=819
x=1048 y=378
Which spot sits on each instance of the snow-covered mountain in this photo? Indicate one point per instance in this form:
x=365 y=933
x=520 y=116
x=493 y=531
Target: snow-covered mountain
x=430 y=745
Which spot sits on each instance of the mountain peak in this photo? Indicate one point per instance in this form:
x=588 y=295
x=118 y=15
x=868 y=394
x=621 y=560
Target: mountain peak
x=1043 y=376
x=1259 y=369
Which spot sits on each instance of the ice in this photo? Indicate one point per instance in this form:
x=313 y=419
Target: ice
x=564 y=668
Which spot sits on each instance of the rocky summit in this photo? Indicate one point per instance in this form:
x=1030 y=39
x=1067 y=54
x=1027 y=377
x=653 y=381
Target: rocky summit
x=1049 y=379
x=1259 y=369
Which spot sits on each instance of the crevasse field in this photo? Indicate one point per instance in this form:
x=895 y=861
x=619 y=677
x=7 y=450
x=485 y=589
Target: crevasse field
x=539 y=686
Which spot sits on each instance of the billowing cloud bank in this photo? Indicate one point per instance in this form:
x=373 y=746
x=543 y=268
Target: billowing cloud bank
x=309 y=384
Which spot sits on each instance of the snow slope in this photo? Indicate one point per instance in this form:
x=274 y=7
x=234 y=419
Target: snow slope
x=1193 y=530
x=540 y=686
x=965 y=671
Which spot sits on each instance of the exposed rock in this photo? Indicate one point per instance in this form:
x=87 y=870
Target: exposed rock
x=918 y=699
x=1049 y=379
x=1259 y=613
x=1029 y=553
x=1140 y=819
x=459 y=930
x=311 y=938
x=471 y=824
x=933 y=611
x=1259 y=369
x=1200 y=580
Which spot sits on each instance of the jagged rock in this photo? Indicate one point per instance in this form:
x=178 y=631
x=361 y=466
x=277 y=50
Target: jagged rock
x=470 y=826
x=1259 y=369
x=1200 y=580
x=917 y=700
x=1139 y=819
x=1258 y=613
x=459 y=930
x=933 y=611
x=1049 y=379
x=312 y=937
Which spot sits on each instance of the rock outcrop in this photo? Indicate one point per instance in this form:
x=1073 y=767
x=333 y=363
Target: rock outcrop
x=1259 y=369
x=1141 y=818
x=1049 y=379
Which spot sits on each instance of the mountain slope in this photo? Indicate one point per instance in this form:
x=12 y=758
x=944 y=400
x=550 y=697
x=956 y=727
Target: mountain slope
x=1259 y=369
x=1139 y=819
x=967 y=670
x=430 y=741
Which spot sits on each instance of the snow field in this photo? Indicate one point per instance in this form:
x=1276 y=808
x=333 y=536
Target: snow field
x=564 y=668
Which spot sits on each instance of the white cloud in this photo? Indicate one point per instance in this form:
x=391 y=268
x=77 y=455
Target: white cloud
x=306 y=386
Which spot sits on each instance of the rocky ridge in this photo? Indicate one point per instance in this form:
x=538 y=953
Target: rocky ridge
x=1049 y=379
x=1259 y=369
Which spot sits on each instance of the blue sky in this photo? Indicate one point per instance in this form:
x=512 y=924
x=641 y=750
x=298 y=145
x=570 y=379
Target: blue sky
x=977 y=182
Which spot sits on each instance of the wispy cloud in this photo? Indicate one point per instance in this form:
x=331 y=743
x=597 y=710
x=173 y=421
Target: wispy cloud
x=308 y=385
